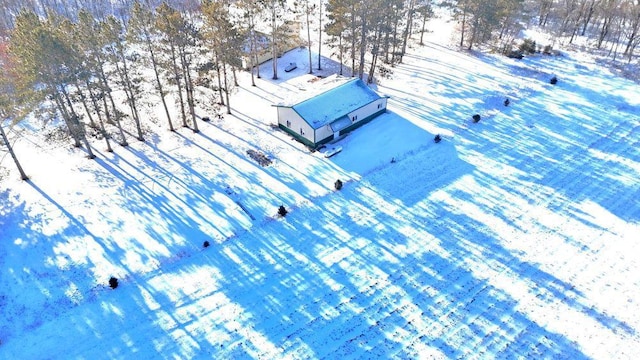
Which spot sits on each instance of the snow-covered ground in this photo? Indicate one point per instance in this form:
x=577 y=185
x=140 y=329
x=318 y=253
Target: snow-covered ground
x=514 y=237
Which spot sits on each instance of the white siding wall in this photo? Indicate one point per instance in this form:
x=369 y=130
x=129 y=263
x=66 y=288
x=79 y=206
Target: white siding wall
x=290 y=119
x=369 y=109
x=323 y=132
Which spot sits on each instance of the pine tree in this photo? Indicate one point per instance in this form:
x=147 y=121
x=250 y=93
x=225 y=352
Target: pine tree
x=224 y=40
x=84 y=35
x=251 y=11
x=304 y=8
x=142 y=30
x=276 y=10
x=45 y=61
x=424 y=8
x=10 y=108
x=336 y=29
x=168 y=23
x=113 y=31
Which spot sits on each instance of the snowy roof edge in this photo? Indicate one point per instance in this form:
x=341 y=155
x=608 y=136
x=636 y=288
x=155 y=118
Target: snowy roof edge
x=323 y=90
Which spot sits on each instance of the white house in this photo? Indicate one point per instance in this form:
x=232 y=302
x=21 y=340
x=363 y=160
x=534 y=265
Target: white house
x=336 y=106
x=290 y=39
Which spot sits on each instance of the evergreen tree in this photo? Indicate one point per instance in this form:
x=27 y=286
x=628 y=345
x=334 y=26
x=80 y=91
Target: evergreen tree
x=113 y=31
x=336 y=29
x=251 y=11
x=169 y=24
x=11 y=110
x=224 y=40
x=46 y=63
x=142 y=31
x=276 y=10
x=306 y=9
x=424 y=8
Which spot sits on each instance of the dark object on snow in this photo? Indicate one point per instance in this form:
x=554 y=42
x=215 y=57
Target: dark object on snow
x=282 y=211
x=338 y=184
x=113 y=282
x=292 y=66
x=476 y=118
x=553 y=81
x=206 y=244
x=261 y=158
x=437 y=138
x=515 y=54
x=206 y=119
x=507 y=102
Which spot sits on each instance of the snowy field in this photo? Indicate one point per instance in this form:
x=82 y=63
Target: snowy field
x=514 y=237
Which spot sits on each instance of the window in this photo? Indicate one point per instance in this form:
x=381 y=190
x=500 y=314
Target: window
x=379 y=105
x=301 y=131
x=288 y=123
x=354 y=118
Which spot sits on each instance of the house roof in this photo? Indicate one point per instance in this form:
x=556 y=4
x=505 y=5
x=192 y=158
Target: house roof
x=335 y=97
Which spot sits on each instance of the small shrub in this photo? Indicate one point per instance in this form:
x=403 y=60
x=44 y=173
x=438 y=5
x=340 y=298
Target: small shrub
x=547 y=50
x=528 y=46
x=282 y=211
x=437 y=138
x=338 y=184
x=507 y=102
x=476 y=118
x=206 y=244
x=553 y=81
x=113 y=282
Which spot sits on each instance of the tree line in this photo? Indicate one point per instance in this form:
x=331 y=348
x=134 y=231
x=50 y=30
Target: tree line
x=92 y=62
x=92 y=73
x=609 y=26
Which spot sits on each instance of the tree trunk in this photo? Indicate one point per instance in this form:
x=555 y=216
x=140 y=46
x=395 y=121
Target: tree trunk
x=216 y=59
x=363 y=43
x=176 y=73
x=320 y=36
x=464 y=24
x=188 y=83
x=628 y=50
x=308 y=36
x=394 y=38
x=341 y=53
x=407 y=30
x=353 y=41
x=67 y=120
x=107 y=91
x=588 y=17
x=226 y=87
x=154 y=63
x=100 y=120
x=274 y=44
x=78 y=125
x=131 y=96
x=3 y=135
x=375 y=51
x=604 y=31
x=424 y=25
x=253 y=49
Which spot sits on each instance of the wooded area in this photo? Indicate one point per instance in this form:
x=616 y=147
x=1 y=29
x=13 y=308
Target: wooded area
x=73 y=56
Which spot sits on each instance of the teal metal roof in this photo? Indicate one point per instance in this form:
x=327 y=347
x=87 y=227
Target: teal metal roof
x=336 y=98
